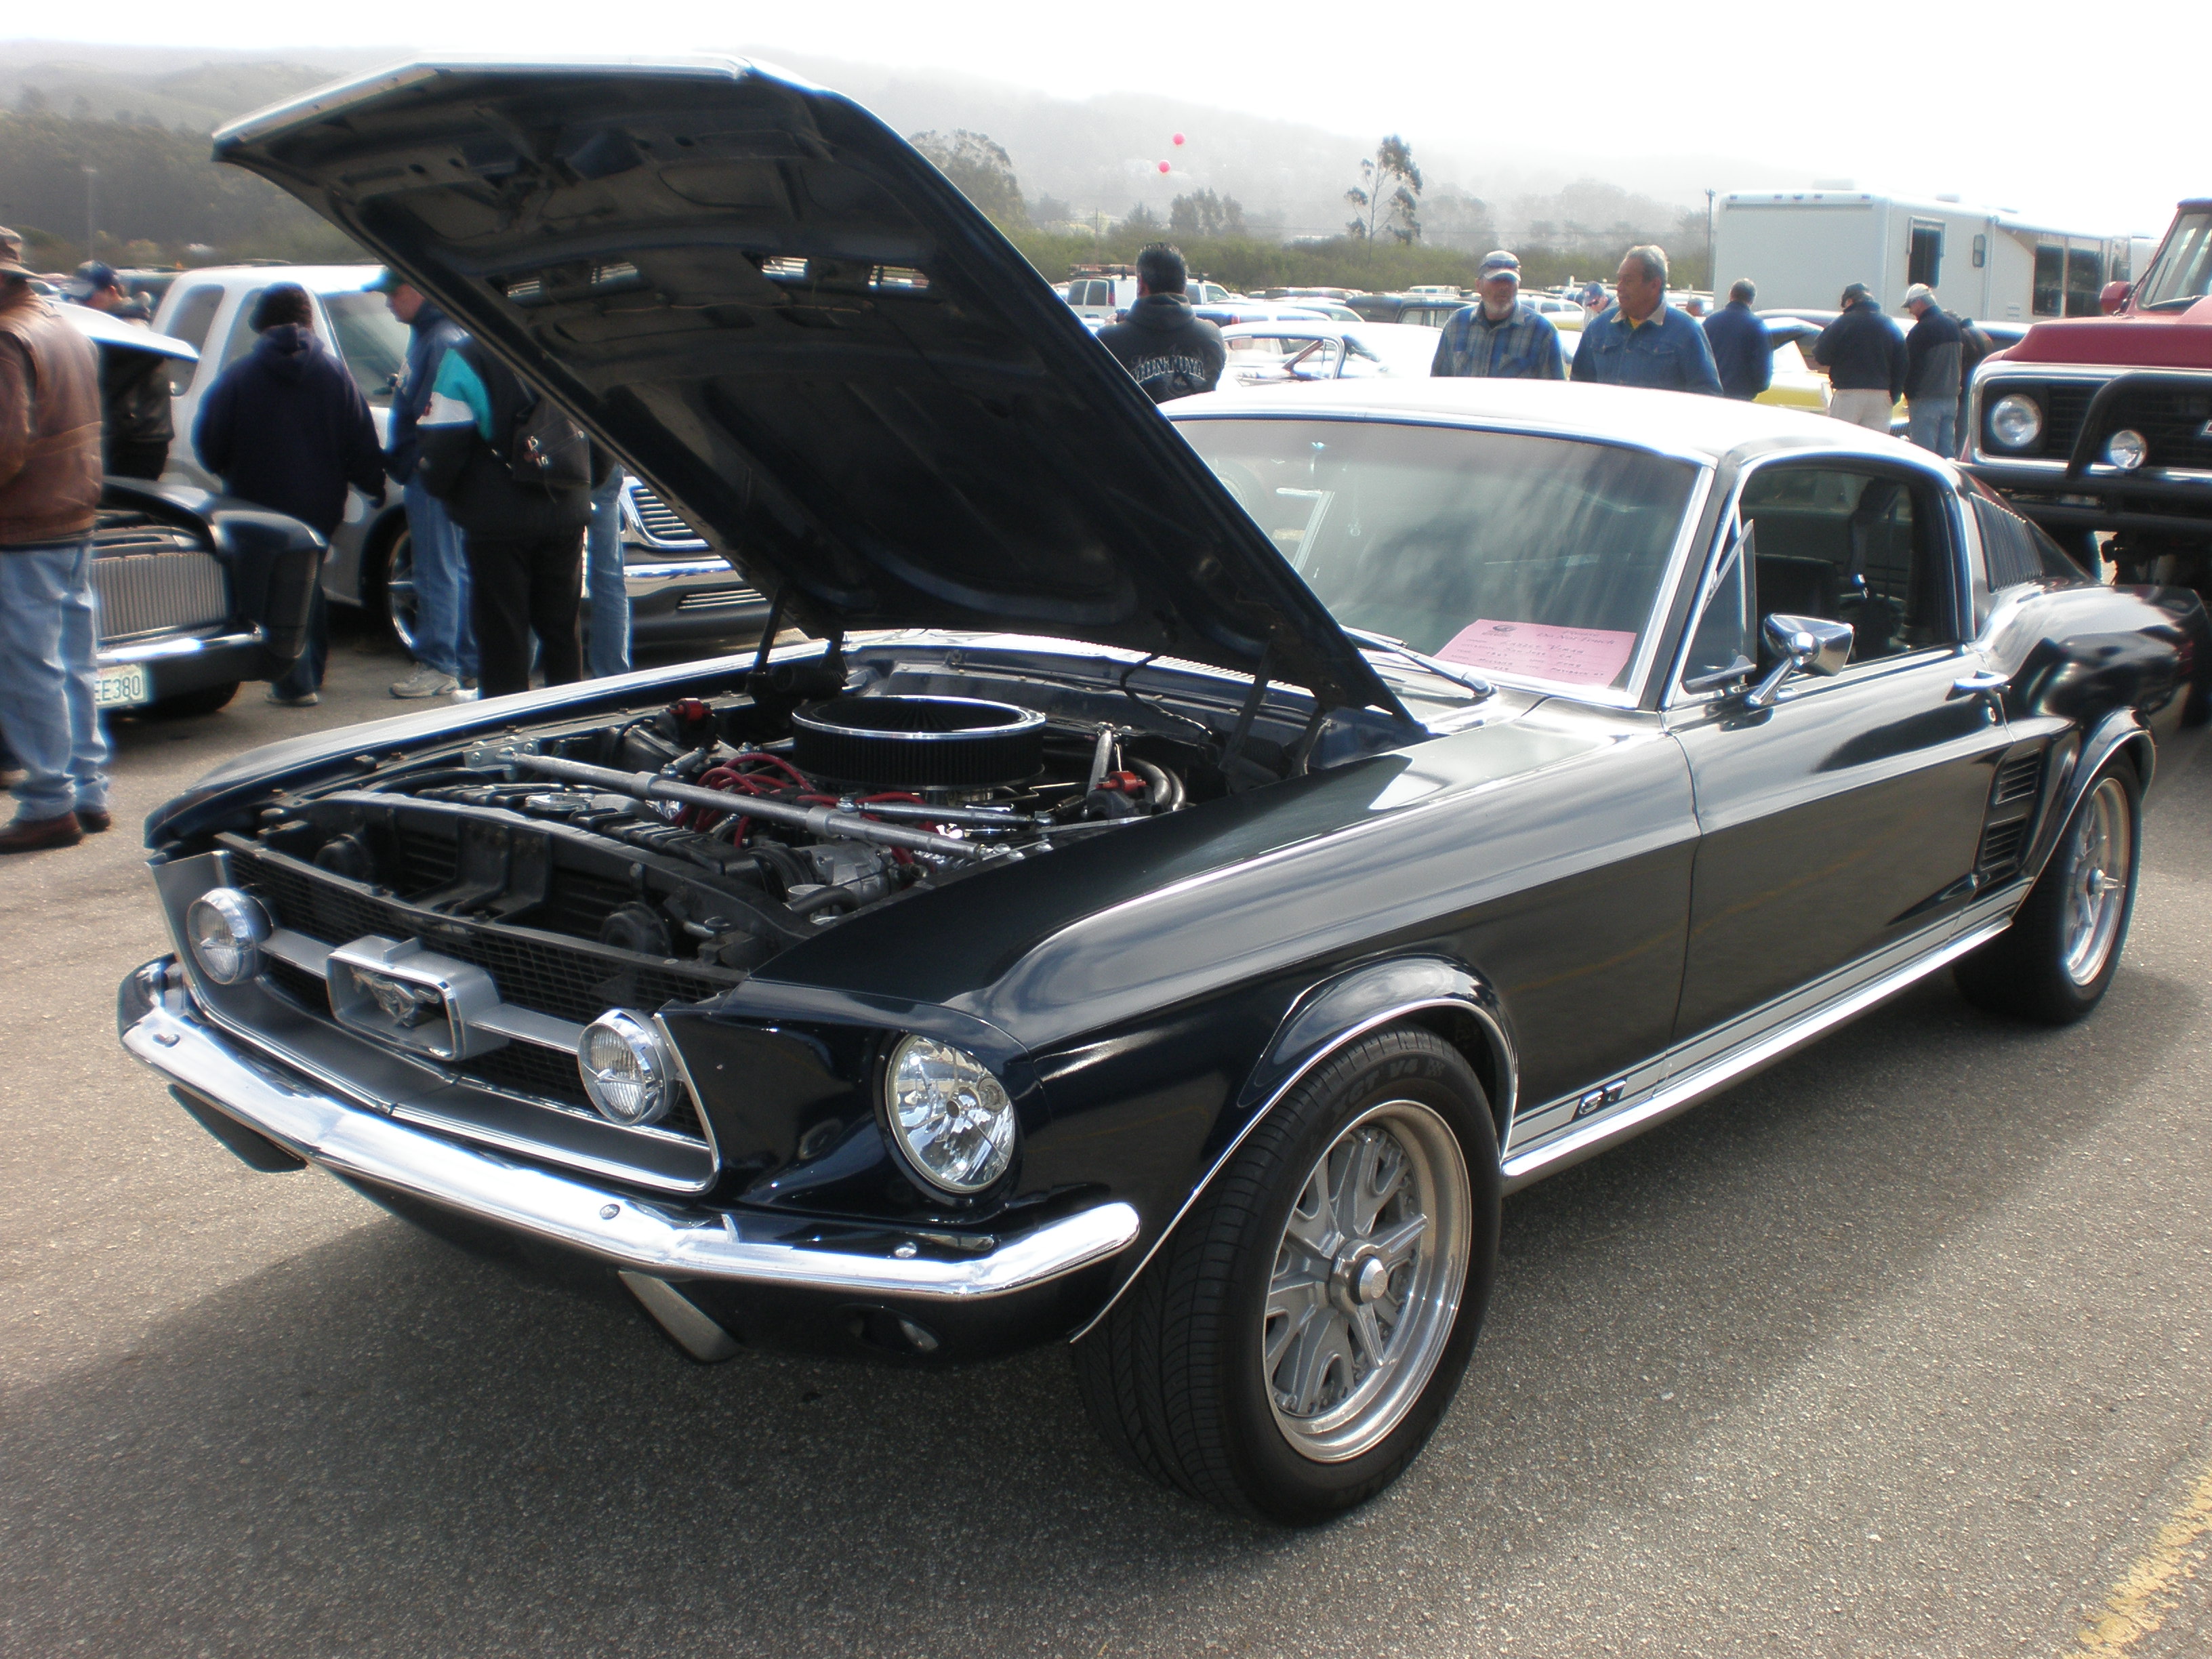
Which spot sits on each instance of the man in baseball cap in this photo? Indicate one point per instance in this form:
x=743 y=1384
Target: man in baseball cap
x=1499 y=338
x=1864 y=355
x=97 y=287
x=1933 y=359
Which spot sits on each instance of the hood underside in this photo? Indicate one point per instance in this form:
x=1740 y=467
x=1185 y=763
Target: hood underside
x=801 y=334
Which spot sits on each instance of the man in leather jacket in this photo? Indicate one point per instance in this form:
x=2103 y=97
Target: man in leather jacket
x=1170 y=351
x=49 y=632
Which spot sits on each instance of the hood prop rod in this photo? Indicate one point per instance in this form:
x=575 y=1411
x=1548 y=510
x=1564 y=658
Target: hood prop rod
x=816 y=820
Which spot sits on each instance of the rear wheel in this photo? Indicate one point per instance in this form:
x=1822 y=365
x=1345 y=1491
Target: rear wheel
x=1291 y=1348
x=2056 y=960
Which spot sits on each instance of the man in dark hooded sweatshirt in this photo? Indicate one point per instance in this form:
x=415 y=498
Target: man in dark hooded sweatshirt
x=1169 y=350
x=287 y=429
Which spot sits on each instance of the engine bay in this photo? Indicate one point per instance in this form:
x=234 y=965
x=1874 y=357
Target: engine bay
x=722 y=831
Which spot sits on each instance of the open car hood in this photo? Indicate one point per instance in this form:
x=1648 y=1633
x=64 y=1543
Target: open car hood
x=804 y=337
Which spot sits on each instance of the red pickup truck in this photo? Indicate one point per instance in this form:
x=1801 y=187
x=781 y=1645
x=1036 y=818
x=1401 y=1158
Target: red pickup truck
x=2105 y=423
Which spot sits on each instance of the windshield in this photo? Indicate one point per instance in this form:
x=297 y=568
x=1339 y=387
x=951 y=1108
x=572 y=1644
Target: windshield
x=2182 y=273
x=373 y=342
x=1537 y=558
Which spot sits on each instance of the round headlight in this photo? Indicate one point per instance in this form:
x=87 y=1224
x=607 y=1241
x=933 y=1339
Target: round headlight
x=225 y=929
x=627 y=1069
x=2127 y=450
x=2015 y=421
x=949 y=1116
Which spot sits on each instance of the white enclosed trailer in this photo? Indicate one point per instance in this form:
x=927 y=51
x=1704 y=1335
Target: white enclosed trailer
x=1803 y=247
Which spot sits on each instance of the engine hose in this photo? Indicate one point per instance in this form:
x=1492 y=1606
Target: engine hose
x=822 y=898
x=1156 y=781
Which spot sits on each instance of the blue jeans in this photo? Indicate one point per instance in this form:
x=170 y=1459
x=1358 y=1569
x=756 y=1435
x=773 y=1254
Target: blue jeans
x=604 y=591
x=49 y=631
x=1933 y=425
x=444 y=638
x=304 y=677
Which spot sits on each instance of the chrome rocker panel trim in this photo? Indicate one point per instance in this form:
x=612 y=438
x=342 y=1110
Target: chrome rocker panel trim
x=612 y=1224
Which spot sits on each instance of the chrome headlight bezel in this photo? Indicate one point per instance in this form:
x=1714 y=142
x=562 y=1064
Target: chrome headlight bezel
x=620 y=1035
x=2024 y=417
x=960 y=1160
x=240 y=928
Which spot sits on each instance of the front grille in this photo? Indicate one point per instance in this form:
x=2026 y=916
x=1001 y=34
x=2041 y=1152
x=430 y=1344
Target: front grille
x=519 y=1067
x=570 y=980
x=2172 y=420
x=2017 y=779
x=660 y=521
x=157 y=593
x=2000 y=849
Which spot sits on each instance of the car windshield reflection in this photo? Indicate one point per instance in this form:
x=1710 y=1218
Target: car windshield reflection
x=1537 y=558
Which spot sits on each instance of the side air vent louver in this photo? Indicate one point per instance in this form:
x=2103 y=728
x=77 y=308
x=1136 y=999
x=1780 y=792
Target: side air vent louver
x=2018 y=780
x=2000 y=849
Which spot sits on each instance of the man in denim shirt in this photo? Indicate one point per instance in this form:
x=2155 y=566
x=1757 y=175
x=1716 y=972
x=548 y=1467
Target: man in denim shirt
x=1644 y=341
x=1500 y=338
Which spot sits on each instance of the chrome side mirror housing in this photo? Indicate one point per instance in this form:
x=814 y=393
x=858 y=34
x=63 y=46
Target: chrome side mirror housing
x=1802 y=645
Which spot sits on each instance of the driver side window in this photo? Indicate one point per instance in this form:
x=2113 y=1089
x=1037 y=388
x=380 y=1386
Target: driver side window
x=1860 y=547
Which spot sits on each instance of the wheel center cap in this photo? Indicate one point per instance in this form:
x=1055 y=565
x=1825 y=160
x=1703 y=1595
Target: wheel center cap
x=1357 y=1277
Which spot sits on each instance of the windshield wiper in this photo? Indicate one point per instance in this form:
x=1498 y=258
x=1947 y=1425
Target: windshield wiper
x=1474 y=682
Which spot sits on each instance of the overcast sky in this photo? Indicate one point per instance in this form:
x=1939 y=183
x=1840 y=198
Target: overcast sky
x=2049 y=109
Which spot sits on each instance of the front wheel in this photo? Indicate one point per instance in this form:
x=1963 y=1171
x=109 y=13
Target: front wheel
x=1291 y=1346
x=2056 y=960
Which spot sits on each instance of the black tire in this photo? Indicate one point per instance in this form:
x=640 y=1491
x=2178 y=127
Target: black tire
x=187 y=705
x=1176 y=1375
x=2037 y=969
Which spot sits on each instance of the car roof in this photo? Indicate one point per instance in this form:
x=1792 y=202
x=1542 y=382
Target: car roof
x=1665 y=423
x=317 y=279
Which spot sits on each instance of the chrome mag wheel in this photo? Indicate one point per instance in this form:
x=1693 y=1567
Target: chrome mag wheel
x=400 y=601
x=2097 y=874
x=1367 y=1281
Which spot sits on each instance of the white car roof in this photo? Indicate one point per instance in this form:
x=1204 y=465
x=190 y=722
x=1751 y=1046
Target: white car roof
x=316 y=279
x=1668 y=422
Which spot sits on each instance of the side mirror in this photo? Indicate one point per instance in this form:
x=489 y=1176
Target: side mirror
x=2114 y=299
x=1802 y=645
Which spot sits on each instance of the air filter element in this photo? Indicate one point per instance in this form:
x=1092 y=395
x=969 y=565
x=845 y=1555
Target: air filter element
x=918 y=743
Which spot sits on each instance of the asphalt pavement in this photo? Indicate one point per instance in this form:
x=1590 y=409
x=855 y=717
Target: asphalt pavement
x=1900 y=1348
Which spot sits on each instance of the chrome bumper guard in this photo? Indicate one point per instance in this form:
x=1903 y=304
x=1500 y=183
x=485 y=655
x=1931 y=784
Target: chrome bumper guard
x=614 y=1225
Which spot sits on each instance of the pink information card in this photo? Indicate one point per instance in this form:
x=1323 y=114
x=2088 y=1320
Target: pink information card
x=1579 y=656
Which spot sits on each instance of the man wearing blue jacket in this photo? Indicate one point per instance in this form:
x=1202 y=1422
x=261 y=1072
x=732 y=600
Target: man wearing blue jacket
x=445 y=640
x=287 y=429
x=1643 y=341
x=1743 y=356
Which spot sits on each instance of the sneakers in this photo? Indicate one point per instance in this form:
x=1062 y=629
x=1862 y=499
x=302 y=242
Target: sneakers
x=35 y=835
x=424 y=682
x=94 y=820
x=305 y=700
x=466 y=692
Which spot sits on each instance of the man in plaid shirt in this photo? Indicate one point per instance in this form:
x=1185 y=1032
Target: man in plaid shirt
x=1500 y=338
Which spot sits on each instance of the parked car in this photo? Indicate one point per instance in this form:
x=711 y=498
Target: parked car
x=1104 y=298
x=1282 y=354
x=1227 y=313
x=1426 y=309
x=2103 y=424
x=683 y=592
x=186 y=610
x=196 y=596
x=1202 y=866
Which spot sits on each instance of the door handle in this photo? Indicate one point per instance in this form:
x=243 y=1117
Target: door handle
x=1979 y=683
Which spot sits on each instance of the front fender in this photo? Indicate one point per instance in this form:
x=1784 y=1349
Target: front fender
x=1422 y=990
x=2123 y=730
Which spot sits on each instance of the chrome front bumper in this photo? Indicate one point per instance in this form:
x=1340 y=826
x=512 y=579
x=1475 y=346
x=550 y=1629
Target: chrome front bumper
x=669 y=1242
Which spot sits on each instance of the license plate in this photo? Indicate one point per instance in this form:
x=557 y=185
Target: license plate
x=125 y=687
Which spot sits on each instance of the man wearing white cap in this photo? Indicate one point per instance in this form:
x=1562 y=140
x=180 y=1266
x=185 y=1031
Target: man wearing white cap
x=1499 y=338
x=1931 y=374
